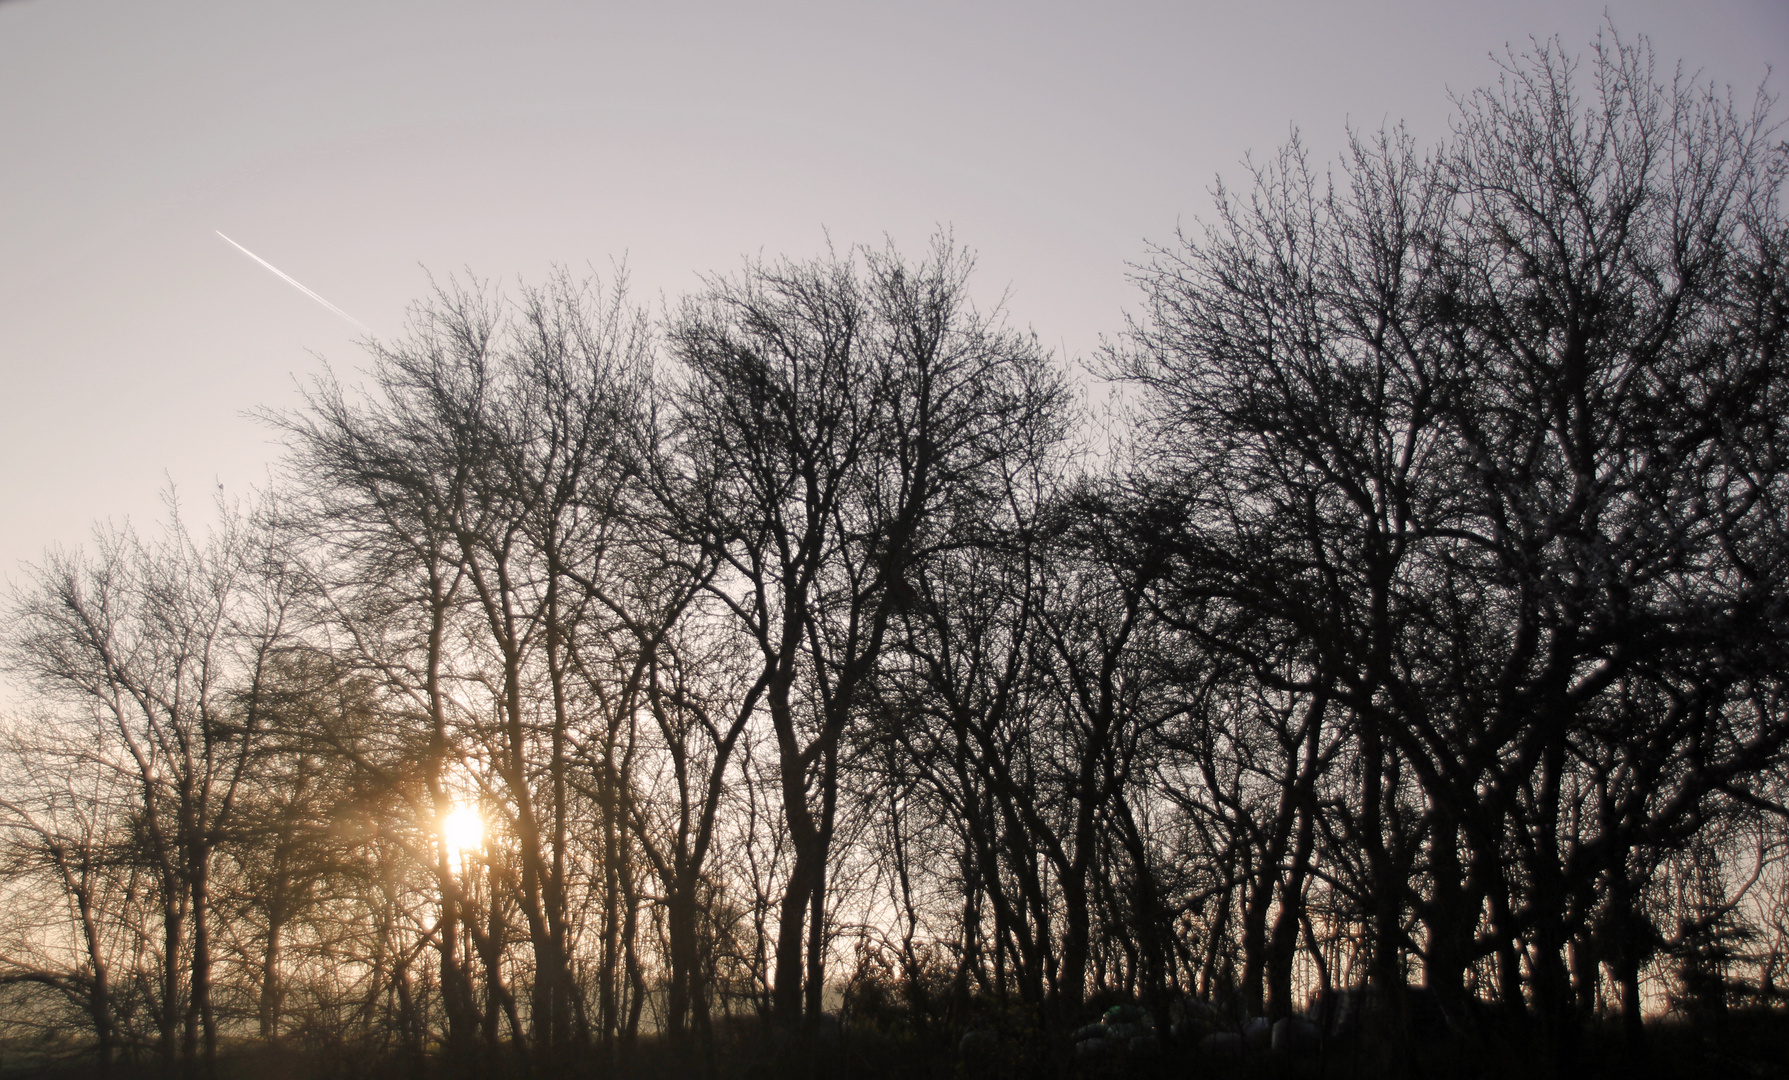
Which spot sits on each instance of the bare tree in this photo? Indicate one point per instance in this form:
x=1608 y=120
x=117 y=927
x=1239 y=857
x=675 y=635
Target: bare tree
x=492 y=472
x=157 y=647
x=68 y=928
x=1481 y=438
x=839 y=420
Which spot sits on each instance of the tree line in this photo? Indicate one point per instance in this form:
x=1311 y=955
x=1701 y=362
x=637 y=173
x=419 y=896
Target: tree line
x=1423 y=626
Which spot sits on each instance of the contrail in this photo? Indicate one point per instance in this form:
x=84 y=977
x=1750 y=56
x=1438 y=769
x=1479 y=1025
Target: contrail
x=288 y=279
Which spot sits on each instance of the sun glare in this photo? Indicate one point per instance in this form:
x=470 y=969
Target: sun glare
x=462 y=829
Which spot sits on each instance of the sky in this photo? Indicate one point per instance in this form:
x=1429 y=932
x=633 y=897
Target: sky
x=361 y=147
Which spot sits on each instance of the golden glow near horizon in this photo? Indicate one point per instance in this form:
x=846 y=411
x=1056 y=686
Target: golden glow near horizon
x=463 y=829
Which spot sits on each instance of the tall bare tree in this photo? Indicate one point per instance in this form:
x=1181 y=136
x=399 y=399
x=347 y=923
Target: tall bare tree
x=841 y=418
x=1484 y=437
x=491 y=473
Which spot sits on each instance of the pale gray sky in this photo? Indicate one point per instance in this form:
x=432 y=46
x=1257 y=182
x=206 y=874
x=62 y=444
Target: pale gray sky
x=347 y=143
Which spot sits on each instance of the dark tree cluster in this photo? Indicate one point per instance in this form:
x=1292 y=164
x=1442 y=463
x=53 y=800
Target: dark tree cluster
x=712 y=689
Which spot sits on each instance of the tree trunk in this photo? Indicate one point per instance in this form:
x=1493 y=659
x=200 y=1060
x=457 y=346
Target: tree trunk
x=269 y=1005
x=1071 y=985
x=1254 y=935
x=680 y=927
x=1282 y=947
x=173 y=942
x=99 y=997
x=787 y=996
x=1444 y=962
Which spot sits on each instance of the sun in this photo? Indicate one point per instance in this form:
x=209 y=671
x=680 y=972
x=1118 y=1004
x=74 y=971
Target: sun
x=463 y=829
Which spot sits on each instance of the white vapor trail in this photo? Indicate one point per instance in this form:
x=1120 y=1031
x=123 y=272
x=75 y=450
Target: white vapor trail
x=288 y=279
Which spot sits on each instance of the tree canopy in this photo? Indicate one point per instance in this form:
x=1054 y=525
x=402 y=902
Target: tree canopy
x=592 y=685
